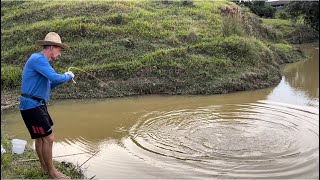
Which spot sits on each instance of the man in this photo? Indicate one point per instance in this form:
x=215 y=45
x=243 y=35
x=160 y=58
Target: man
x=38 y=78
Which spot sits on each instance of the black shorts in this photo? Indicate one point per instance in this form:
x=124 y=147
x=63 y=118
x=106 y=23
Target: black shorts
x=38 y=121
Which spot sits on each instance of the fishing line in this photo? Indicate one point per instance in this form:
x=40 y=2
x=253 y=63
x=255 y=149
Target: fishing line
x=27 y=160
x=86 y=73
x=103 y=83
x=90 y=158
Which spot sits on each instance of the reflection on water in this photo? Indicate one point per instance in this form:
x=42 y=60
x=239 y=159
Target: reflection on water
x=304 y=75
x=300 y=83
x=268 y=133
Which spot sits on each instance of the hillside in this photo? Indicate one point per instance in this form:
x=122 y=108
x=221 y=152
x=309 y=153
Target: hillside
x=145 y=47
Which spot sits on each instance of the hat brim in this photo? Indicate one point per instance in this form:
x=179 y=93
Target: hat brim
x=50 y=43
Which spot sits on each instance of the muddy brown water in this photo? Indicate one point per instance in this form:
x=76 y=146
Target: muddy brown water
x=268 y=133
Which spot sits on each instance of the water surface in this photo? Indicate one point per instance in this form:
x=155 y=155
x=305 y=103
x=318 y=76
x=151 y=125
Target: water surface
x=268 y=133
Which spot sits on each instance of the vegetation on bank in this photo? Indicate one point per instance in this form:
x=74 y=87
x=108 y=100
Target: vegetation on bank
x=259 y=8
x=292 y=32
x=308 y=11
x=17 y=166
x=133 y=47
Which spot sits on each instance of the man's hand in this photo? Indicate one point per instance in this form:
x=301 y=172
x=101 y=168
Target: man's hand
x=70 y=73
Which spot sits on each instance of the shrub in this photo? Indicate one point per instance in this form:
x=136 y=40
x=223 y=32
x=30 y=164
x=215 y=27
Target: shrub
x=283 y=15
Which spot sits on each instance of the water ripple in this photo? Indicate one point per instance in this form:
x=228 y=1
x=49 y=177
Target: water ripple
x=256 y=140
x=82 y=144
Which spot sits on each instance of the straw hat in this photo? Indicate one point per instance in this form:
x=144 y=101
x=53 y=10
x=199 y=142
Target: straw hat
x=54 y=39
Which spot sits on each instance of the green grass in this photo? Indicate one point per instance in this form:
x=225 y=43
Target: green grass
x=130 y=40
x=13 y=166
x=286 y=53
x=281 y=26
x=10 y=76
x=293 y=32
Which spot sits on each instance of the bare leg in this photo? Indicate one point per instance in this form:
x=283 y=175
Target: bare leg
x=39 y=145
x=47 y=157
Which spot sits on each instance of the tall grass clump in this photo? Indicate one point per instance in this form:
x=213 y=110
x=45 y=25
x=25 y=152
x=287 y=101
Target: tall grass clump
x=10 y=76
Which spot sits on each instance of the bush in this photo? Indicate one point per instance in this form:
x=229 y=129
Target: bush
x=259 y=8
x=309 y=10
x=283 y=15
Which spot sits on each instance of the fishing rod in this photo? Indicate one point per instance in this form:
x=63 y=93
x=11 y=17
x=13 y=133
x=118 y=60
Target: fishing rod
x=72 y=67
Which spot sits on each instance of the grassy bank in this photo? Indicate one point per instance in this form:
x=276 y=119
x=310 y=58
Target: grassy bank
x=133 y=47
x=136 y=48
x=18 y=167
x=295 y=33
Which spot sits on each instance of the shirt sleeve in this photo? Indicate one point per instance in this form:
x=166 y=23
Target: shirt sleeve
x=54 y=85
x=43 y=67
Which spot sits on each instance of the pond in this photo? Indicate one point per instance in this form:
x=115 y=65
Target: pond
x=267 y=133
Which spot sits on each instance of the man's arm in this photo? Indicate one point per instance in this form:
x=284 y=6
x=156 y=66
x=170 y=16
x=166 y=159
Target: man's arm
x=43 y=67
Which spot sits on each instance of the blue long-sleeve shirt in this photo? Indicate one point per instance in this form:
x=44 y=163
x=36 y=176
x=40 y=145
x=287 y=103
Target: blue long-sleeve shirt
x=38 y=78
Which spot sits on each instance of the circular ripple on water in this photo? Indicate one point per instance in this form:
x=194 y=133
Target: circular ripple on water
x=258 y=140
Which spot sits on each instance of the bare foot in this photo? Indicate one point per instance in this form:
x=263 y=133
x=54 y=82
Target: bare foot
x=58 y=175
x=65 y=176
